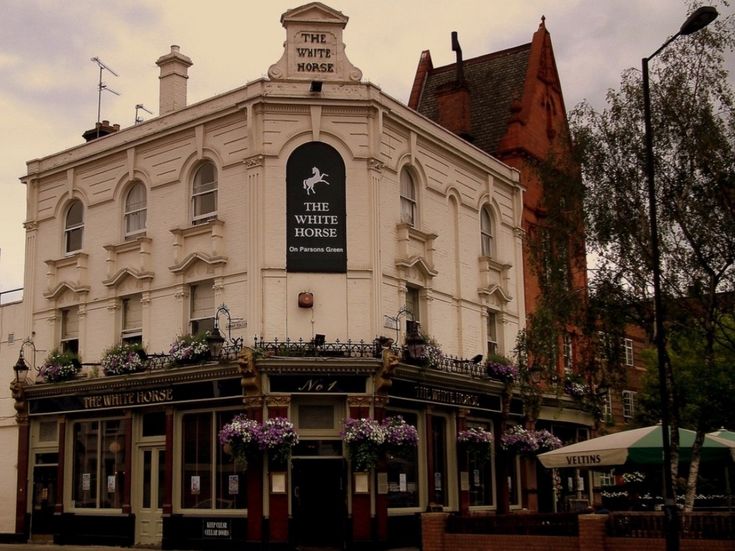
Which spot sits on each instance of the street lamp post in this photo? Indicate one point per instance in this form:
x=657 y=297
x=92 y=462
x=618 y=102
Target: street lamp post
x=699 y=19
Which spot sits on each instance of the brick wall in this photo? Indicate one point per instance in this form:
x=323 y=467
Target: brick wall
x=592 y=537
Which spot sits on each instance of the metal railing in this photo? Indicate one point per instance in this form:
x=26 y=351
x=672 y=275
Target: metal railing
x=535 y=524
x=310 y=349
x=632 y=524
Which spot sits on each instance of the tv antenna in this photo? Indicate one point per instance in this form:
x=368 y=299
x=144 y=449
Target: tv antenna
x=138 y=107
x=102 y=86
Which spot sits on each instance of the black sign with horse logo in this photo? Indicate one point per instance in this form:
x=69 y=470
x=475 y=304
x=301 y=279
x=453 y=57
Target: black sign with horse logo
x=315 y=210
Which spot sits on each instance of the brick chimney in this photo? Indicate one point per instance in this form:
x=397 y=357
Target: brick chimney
x=100 y=129
x=453 y=99
x=174 y=74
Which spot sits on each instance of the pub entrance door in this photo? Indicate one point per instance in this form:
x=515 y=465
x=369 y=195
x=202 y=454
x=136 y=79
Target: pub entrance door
x=319 y=503
x=44 y=498
x=149 y=510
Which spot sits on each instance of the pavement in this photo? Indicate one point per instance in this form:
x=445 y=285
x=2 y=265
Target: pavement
x=52 y=547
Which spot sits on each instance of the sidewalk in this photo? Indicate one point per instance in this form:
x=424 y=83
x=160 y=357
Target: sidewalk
x=52 y=547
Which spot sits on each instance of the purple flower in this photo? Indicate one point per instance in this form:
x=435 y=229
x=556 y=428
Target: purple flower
x=399 y=433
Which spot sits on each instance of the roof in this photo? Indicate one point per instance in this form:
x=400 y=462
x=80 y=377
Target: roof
x=494 y=80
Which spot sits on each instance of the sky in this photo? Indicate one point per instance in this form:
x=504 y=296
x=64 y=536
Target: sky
x=48 y=83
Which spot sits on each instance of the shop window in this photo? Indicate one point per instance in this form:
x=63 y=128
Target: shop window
x=210 y=478
x=132 y=320
x=135 y=211
x=154 y=424
x=408 y=198
x=74 y=227
x=202 y=308
x=439 y=460
x=487 y=232
x=204 y=194
x=70 y=330
x=99 y=464
x=481 y=475
x=316 y=416
x=48 y=432
x=403 y=470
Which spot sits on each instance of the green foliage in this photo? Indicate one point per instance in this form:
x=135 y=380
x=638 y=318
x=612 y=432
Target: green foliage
x=706 y=393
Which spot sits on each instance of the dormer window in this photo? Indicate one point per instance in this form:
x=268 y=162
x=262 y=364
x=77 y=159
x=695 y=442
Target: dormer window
x=204 y=194
x=74 y=227
x=135 y=211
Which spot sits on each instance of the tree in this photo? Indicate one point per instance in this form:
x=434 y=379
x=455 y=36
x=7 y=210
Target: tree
x=706 y=403
x=694 y=146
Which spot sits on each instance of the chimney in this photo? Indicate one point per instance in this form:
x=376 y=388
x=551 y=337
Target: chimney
x=174 y=74
x=454 y=102
x=100 y=129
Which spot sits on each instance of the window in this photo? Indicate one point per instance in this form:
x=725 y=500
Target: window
x=132 y=320
x=403 y=470
x=492 y=333
x=408 y=198
x=481 y=475
x=135 y=211
x=202 y=307
x=99 y=464
x=486 y=233
x=74 y=227
x=439 y=456
x=204 y=194
x=568 y=353
x=70 y=330
x=413 y=305
x=210 y=479
x=628 y=350
x=606 y=403
x=629 y=398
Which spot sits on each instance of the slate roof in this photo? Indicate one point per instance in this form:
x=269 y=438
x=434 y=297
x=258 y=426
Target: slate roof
x=494 y=81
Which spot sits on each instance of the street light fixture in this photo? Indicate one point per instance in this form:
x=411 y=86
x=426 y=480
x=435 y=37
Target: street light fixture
x=699 y=19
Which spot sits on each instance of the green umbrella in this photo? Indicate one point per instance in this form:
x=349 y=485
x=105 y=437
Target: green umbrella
x=634 y=447
x=723 y=433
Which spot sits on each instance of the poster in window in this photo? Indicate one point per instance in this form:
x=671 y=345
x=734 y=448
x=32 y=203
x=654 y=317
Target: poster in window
x=316 y=238
x=195 y=485
x=111 y=484
x=86 y=482
x=233 y=484
x=402 y=482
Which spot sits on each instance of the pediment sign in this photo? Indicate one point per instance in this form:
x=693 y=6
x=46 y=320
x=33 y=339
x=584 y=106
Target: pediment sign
x=314 y=50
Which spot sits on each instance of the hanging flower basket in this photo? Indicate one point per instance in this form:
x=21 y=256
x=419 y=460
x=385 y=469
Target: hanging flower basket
x=364 y=438
x=240 y=438
x=528 y=442
x=401 y=438
x=519 y=440
x=123 y=359
x=547 y=441
x=502 y=369
x=59 y=366
x=190 y=349
x=277 y=436
x=477 y=443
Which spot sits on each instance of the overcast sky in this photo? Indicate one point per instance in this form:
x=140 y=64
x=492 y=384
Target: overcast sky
x=48 y=85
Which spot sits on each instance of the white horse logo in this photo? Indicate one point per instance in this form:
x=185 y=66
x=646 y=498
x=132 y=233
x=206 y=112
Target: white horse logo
x=316 y=178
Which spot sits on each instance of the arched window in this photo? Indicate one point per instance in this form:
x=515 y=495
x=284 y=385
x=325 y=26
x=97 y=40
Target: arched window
x=487 y=234
x=408 y=198
x=74 y=227
x=204 y=194
x=135 y=211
